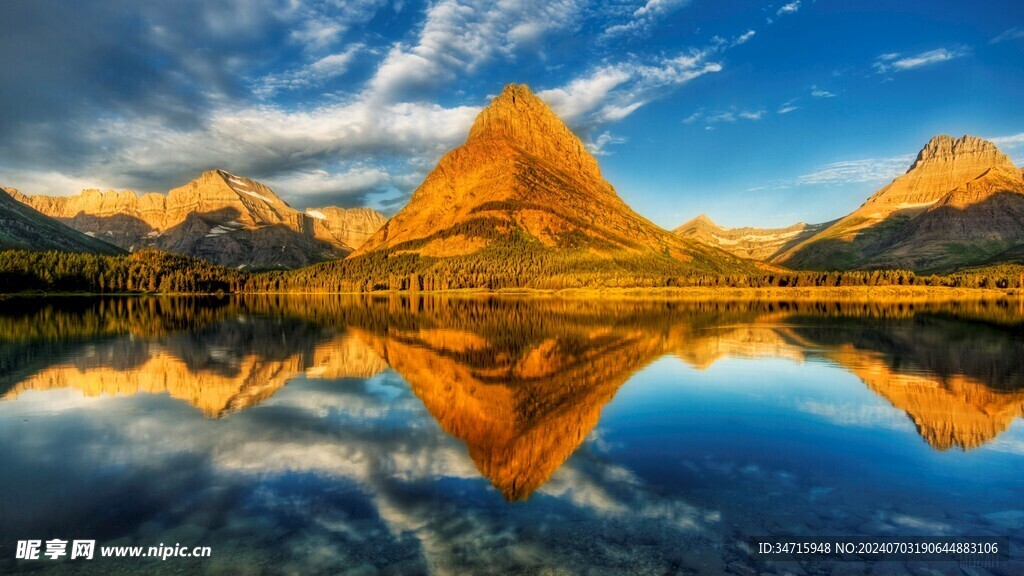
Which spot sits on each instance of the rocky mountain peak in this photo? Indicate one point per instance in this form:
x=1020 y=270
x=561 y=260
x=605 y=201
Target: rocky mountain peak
x=944 y=164
x=968 y=150
x=222 y=185
x=519 y=118
x=701 y=219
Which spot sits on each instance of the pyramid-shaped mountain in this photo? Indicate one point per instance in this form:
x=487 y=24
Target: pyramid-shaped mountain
x=961 y=203
x=523 y=189
x=23 y=227
x=220 y=217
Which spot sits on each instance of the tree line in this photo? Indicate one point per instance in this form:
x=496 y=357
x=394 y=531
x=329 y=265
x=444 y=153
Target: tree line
x=151 y=271
x=143 y=271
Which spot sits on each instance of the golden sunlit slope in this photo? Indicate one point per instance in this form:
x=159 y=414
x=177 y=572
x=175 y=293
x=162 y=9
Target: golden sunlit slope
x=523 y=198
x=959 y=204
x=221 y=217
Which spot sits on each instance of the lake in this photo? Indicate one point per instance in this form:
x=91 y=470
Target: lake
x=504 y=435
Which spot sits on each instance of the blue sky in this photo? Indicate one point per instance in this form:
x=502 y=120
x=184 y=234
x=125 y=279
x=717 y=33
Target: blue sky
x=755 y=113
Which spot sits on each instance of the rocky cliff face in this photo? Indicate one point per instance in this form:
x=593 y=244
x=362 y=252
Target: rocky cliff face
x=943 y=165
x=351 y=227
x=220 y=217
x=23 y=227
x=523 y=174
x=747 y=242
x=959 y=204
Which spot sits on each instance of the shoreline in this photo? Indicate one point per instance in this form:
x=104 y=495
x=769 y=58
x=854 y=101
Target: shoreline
x=808 y=293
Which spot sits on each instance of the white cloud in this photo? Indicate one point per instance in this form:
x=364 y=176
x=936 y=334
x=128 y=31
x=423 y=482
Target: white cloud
x=894 y=62
x=46 y=182
x=318 y=72
x=1014 y=33
x=320 y=182
x=290 y=149
x=732 y=116
x=614 y=113
x=866 y=416
x=1007 y=444
x=786 y=109
x=317 y=26
x=926 y=58
x=743 y=38
x=597 y=145
x=656 y=7
x=1008 y=142
x=789 y=8
x=335 y=64
x=727 y=116
x=583 y=95
x=317 y=34
x=612 y=92
x=821 y=93
x=644 y=17
x=865 y=170
x=385 y=134
x=345 y=147
x=722 y=117
x=458 y=38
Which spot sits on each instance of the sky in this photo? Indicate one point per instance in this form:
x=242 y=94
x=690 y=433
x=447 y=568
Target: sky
x=752 y=112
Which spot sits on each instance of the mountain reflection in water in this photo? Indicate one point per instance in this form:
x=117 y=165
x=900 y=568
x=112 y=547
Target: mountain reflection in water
x=520 y=381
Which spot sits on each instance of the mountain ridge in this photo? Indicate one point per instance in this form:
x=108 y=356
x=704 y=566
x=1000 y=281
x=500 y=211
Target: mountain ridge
x=959 y=204
x=948 y=173
x=747 y=241
x=219 y=216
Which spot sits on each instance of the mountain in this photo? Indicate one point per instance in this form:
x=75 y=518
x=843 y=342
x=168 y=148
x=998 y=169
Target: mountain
x=747 y=242
x=220 y=217
x=24 y=227
x=960 y=204
x=524 y=189
x=351 y=227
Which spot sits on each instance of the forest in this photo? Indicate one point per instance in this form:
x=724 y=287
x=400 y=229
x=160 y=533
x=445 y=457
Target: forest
x=143 y=271
x=149 y=271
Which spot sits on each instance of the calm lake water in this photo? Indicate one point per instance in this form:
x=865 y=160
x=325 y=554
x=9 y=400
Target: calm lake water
x=344 y=435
